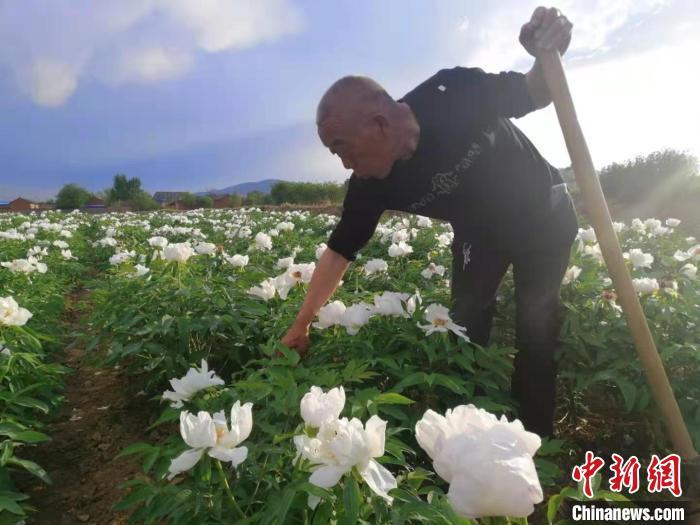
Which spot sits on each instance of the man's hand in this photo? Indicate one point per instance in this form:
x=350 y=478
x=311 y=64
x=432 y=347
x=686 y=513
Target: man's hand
x=297 y=337
x=547 y=30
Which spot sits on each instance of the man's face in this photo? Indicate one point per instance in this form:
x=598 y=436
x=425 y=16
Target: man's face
x=363 y=145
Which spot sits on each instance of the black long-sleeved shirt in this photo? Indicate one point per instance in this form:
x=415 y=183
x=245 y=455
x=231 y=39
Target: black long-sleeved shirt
x=472 y=167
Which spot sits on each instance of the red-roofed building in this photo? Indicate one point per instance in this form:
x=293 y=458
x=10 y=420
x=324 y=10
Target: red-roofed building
x=21 y=204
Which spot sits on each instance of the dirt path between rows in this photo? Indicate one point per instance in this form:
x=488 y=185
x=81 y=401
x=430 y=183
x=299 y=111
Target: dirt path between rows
x=101 y=415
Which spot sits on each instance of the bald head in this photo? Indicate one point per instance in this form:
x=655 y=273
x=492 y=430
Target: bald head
x=358 y=121
x=354 y=97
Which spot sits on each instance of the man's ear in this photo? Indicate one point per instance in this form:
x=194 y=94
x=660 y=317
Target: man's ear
x=382 y=124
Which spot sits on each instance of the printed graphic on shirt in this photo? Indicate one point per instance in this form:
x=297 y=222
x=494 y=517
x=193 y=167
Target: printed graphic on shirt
x=445 y=183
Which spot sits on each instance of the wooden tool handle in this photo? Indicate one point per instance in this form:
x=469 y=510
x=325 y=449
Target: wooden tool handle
x=597 y=208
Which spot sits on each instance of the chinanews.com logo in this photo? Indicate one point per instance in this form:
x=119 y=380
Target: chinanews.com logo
x=663 y=478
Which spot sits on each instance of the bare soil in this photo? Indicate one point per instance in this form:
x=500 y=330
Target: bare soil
x=102 y=414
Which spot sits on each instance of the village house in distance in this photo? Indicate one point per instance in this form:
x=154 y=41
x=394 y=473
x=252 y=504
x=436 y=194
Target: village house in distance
x=21 y=204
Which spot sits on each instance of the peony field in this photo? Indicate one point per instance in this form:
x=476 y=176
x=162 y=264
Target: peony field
x=142 y=378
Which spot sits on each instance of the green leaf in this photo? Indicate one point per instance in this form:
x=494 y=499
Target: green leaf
x=10 y=505
x=136 y=448
x=553 y=506
x=277 y=512
x=6 y=454
x=31 y=436
x=30 y=402
x=138 y=495
x=150 y=459
x=629 y=392
x=392 y=398
x=351 y=502
x=32 y=468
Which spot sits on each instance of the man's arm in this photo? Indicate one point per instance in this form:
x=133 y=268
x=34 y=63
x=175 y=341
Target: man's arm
x=547 y=30
x=329 y=271
x=362 y=207
x=537 y=87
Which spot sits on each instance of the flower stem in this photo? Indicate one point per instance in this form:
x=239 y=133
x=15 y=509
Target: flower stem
x=228 y=489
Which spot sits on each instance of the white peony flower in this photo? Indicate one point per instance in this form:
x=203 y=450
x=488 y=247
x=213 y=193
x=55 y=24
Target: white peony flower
x=285 y=226
x=412 y=302
x=439 y=318
x=355 y=317
x=212 y=435
x=681 y=256
x=588 y=235
x=342 y=445
x=375 y=266
x=400 y=236
x=295 y=274
x=571 y=275
x=654 y=227
x=141 y=270
x=318 y=407
x=12 y=314
x=320 y=249
x=62 y=245
x=191 y=383
x=400 y=249
x=424 y=222
x=37 y=252
x=445 y=239
x=645 y=285
x=593 y=250
x=121 y=257
x=284 y=263
x=330 y=315
x=67 y=255
x=638 y=226
x=263 y=241
x=619 y=227
x=487 y=462
x=179 y=252
x=107 y=241
x=238 y=261
x=205 y=248
x=158 y=242
x=28 y=265
x=672 y=223
x=690 y=271
x=433 y=269
x=389 y=303
x=639 y=259
x=265 y=291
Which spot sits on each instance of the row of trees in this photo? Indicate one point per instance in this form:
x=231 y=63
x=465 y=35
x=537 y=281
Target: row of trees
x=124 y=192
x=307 y=193
x=668 y=172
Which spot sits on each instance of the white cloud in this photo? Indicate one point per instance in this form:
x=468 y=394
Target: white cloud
x=491 y=39
x=628 y=107
x=596 y=20
x=50 y=82
x=629 y=68
x=52 y=46
x=151 y=65
x=234 y=24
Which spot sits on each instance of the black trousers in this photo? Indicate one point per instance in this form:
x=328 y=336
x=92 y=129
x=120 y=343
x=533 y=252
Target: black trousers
x=477 y=273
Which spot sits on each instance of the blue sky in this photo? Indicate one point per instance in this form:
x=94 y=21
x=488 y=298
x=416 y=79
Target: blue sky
x=200 y=94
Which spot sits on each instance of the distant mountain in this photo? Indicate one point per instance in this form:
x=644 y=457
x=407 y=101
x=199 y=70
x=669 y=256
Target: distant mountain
x=244 y=188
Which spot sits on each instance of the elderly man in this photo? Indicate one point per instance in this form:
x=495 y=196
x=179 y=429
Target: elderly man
x=448 y=150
